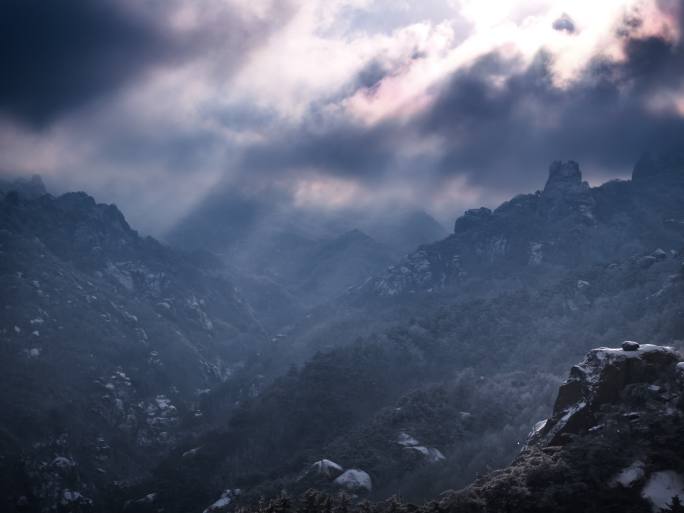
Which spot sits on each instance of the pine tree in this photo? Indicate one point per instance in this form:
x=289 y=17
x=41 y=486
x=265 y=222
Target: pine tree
x=675 y=506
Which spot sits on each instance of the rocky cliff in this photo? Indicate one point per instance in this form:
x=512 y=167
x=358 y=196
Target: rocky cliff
x=567 y=224
x=612 y=442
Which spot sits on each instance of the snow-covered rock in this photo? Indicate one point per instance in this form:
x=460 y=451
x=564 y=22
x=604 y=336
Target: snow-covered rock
x=63 y=462
x=408 y=442
x=431 y=454
x=630 y=345
x=191 y=453
x=326 y=468
x=599 y=379
x=661 y=487
x=538 y=426
x=135 y=504
x=354 y=479
x=223 y=502
x=629 y=475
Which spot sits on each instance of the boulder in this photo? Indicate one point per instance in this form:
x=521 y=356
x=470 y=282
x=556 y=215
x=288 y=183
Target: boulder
x=600 y=379
x=355 y=480
x=630 y=345
x=326 y=468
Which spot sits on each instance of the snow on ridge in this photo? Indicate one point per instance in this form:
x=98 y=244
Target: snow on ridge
x=432 y=454
x=597 y=359
x=224 y=501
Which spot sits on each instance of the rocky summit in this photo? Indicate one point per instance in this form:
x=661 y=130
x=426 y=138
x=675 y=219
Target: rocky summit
x=534 y=236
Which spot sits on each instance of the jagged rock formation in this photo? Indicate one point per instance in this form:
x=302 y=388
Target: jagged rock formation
x=567 y=224
x=623 y=453
x=613 y=442
x=462 y=371
x=600 y=379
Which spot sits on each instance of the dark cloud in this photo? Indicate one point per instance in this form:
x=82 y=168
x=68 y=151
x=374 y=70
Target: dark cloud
x=503 y=122
x=341 y=148
x=564 y=24
x=57 y=55
x=501 y=131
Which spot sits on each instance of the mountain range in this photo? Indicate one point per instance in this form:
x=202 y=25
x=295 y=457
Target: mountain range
x=142 y=376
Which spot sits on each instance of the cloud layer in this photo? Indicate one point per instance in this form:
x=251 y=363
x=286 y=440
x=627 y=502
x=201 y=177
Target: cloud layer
x=330 y=104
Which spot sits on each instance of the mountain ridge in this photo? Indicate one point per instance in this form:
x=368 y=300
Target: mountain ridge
x=567 y=223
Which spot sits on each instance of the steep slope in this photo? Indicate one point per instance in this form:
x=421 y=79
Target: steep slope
x=108 y=340
x=534 y=243
x=467 y=381
x=567 y=225
x=612 y=443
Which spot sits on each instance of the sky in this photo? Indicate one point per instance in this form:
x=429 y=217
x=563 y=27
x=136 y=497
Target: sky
x=441 y=105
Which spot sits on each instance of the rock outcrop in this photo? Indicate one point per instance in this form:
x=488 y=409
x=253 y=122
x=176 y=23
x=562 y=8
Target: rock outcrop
x=612 y=443
x=600 y=380
x=567 y=224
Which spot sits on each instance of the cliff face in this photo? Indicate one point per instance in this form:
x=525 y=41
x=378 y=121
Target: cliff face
x=612 y=443
x=601 y=379
x=565 y=225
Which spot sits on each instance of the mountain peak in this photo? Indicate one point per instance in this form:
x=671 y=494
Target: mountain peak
x=563 y=176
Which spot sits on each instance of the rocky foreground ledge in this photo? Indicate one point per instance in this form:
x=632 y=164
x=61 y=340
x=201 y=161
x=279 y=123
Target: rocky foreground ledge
x=614 y=442
x=602 y=378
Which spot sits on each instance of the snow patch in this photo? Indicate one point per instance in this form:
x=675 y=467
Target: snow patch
x=327 y=468
x=354 y=479
x=661 y=487
x=223 y=502
x=431 y=454
x=406 y=440
x=538 y=426
x=628 y=475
